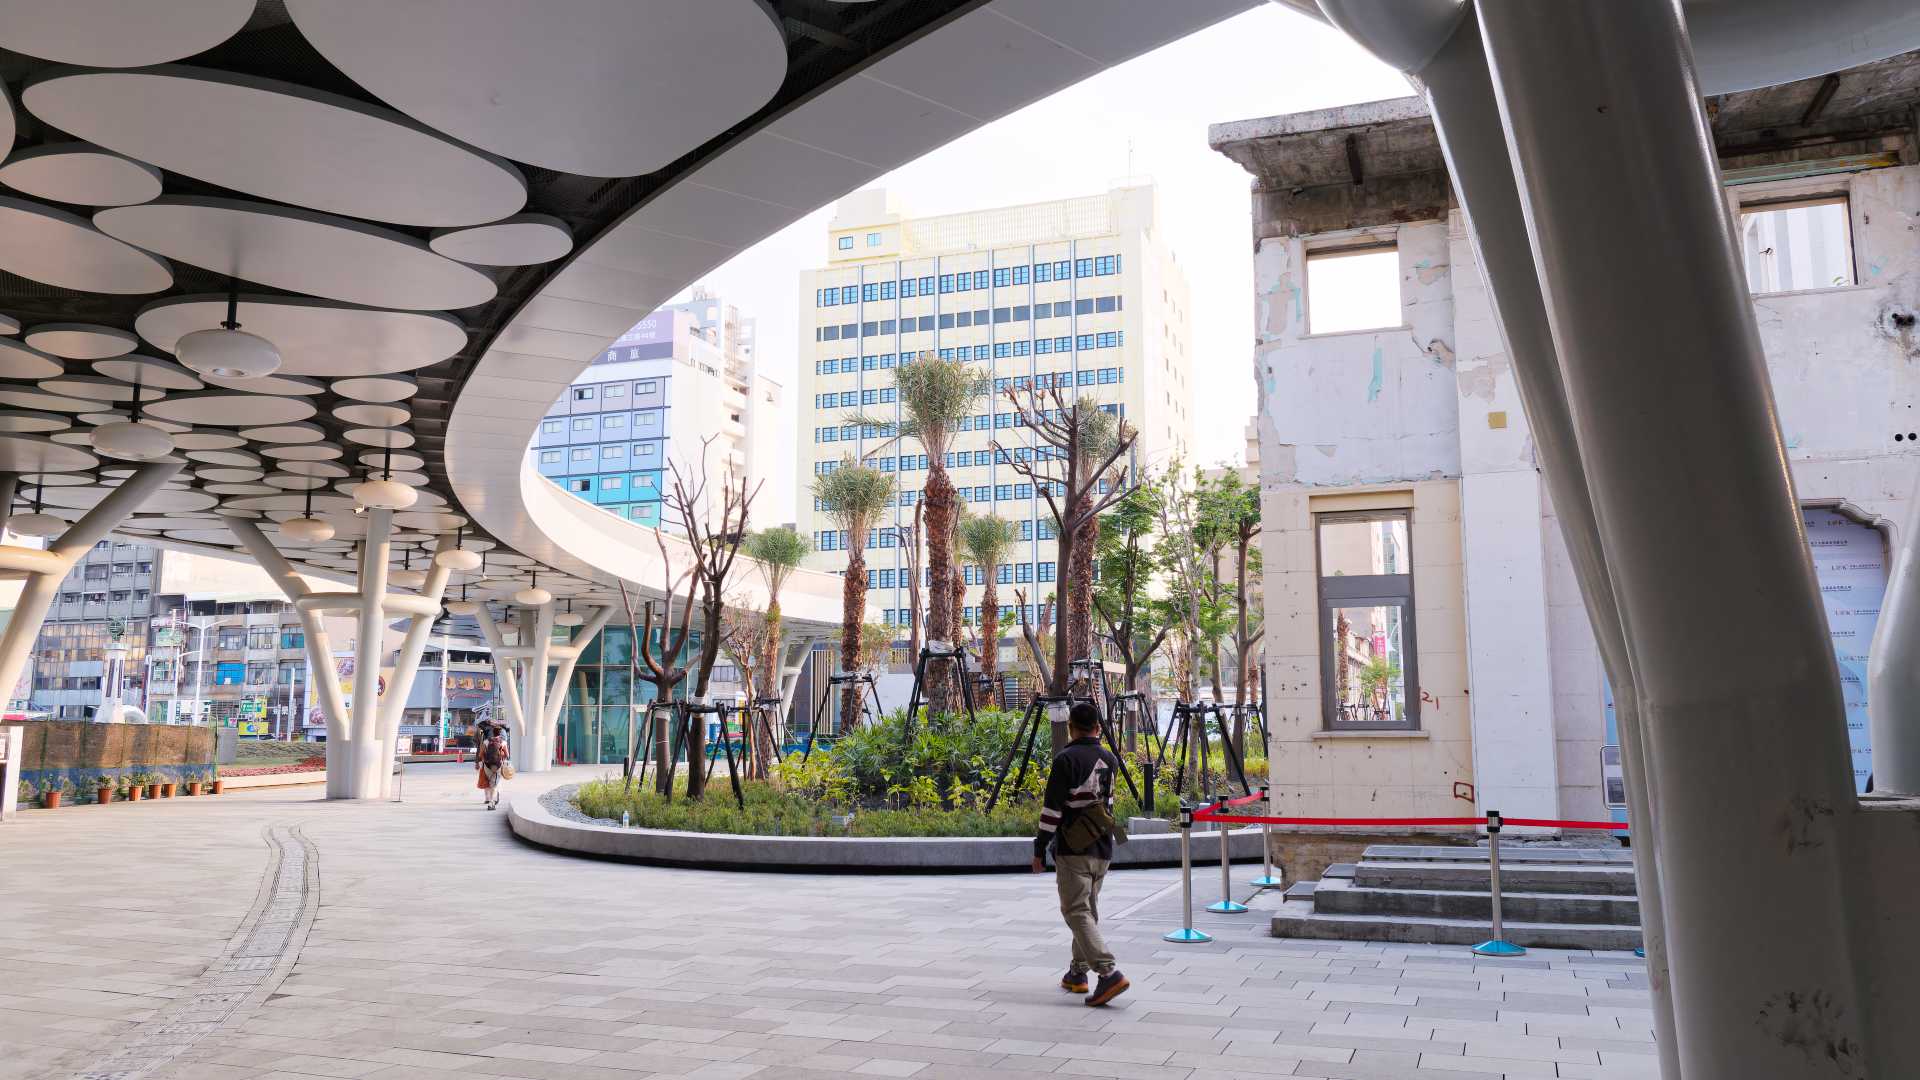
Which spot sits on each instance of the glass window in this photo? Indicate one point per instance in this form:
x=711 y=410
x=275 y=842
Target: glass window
x=1806 y=244
x=873 y=239
x=614 y=391
x=1367 y=653
x=583 y=423
x=846 y=243
x=1357 y=289
x=583 y=393
x=550 y=427
x=549 y=457
x=582 y=453
x=613 y=421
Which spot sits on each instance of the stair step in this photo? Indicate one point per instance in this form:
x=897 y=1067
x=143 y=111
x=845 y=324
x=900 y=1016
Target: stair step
x=1349 y=898
x=1599 y=879
x=1298 y=919
x=1300 y=890
x=1509 y=853
x=1339 y=869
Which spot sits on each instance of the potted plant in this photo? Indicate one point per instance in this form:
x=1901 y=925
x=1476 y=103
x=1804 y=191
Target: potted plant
x=52 y=791
x=151 y=782
x=130 y=786
x=166 y=787
x=219 y=785
x=103 y=789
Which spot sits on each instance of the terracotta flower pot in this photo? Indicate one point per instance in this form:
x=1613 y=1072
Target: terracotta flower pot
x=219 y=786
x=193 y=787
x=166 y=791
x=104 y=795
x=153 y=791
x=50 y=800
x=133 y=794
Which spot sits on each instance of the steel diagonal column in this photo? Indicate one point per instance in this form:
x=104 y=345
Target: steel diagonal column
x=1743 y=734
x=319 y=649
x=1459 y=91
x=1893 y=670
x=369 y=757
x=536 y=632
x=557 y=695
x=46 y=569
x=394 y=706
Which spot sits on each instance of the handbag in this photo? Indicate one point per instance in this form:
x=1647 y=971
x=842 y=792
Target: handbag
x=506 y=771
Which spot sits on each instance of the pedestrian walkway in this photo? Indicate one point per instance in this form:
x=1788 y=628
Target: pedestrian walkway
x=269 y=934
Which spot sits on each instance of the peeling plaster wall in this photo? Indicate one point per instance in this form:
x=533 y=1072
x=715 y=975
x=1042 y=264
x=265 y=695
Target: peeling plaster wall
x=1351 y=412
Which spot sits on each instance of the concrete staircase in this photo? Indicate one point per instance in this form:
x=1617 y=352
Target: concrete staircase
x=1552 y=896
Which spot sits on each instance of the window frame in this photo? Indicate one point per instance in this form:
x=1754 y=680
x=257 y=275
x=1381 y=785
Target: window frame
x=1365 y=590
x=1358 y=246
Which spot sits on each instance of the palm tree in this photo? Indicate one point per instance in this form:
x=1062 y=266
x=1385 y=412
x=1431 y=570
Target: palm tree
x=854 y=496
x=935 y=395
x=986 y=540
x=778 y=553
x=1099 y=431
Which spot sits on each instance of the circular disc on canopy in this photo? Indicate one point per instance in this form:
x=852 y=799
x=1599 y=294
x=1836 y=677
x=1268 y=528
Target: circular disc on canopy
x=81 y=341
x=8 y=324
x=308 y=452
x=285 y=433
x=378 y=388
x=313 y=468
x=167 y=500
x=521 y=240
x=297 y=250
x=281 y=141
x=225 y=475
x=364 y=415
x=20 y=397
x=149 y=371
x=289 y=482
x=165 y=523
x=512 y=78
x=285 y=385
x=56 y=248
x=80 y=173
x=315 y=337
x=54 y=480
x=239 y=489
x=30 y=422
x=32 y=453
x=381 y=459
x=231 y=408
x=21 y=361
x=231 y=458
x=294 y=505
x=208 y=440
x=119 y=33
x=429 y=523
x=98 y=388
x=396 y=438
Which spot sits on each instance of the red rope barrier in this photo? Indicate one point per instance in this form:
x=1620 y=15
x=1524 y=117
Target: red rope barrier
x=1209 y=814
x=1244 y=799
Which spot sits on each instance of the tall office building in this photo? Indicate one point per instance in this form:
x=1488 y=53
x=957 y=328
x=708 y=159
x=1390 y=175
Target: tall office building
x=683 y=374
x=1078 y=293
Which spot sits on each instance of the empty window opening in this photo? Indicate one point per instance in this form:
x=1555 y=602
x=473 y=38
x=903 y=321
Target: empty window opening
x=1356 y=289
x=1789 y=246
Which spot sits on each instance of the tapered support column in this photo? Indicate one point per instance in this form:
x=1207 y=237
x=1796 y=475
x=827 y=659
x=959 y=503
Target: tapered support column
x=319 y=652
x=370 y=758
x=503 y=672
x=1893 y=669
x=557 y=694
x=535 y=753
x=45 y=569
x=1742 y=727
x=407 y=664
x=1459 y=91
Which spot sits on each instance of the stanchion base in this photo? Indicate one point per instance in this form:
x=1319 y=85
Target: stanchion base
x=1265 y=882
x=1641 y=953
x=1187 y=934
x=1227 y=907
x=1496 y=947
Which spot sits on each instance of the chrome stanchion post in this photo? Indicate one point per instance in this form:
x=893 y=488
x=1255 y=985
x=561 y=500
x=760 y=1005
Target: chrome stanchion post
x=1186 y=933
x=1267 y=880
x=1497 y=945
x=1227 y=905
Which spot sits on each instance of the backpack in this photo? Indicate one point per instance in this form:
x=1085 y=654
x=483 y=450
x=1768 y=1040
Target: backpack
x=490 y=755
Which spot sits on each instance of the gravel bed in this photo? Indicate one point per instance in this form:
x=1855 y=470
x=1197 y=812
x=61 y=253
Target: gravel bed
x=559 y=803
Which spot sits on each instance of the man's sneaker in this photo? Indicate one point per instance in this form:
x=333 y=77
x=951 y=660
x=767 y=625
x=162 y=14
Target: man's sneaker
x=1074 y=982
x=1110 y=986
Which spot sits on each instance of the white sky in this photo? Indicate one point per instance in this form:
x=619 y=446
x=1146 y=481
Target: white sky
x=1264 y=62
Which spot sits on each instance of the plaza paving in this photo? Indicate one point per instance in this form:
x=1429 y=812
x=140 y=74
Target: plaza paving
x=271 y=934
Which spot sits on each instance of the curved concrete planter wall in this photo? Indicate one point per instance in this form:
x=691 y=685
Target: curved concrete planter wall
x=533 y=823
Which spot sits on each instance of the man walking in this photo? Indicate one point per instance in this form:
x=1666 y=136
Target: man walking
x=1077 y=822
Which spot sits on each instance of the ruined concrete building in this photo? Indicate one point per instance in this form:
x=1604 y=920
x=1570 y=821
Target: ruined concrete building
x=1427 y=647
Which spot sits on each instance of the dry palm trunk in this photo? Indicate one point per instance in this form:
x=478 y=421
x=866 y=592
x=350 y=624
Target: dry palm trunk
x=990 y=638
x=939 y=496
x=853 y=617
x=958 y=623
x=1079 y=583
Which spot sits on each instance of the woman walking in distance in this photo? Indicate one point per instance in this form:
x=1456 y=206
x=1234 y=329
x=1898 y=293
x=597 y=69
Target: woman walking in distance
x=492 y=763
